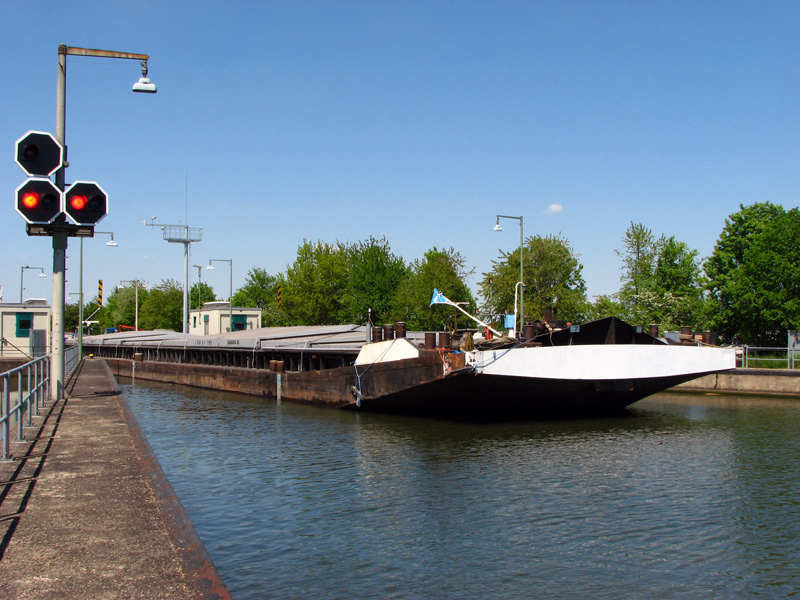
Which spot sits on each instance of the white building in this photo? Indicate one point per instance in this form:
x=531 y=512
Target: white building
x=25 y=329
x=215 y=317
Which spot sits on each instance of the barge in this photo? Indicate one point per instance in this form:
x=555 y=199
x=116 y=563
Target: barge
x=592 y=368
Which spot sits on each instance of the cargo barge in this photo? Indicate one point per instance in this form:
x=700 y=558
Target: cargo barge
x=586 y=369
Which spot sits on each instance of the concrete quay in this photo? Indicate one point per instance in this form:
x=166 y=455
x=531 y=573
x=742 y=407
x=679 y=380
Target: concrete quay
x=86 y=511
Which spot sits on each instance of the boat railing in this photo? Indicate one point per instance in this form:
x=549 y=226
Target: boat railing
x=28 y=387
x=768 y=357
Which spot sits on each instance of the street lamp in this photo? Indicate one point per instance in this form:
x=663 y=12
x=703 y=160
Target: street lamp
x=22 y=272
x=521 y=284
x=60 y=235
x=112 y=244
x=210 y=267
x=136 y=303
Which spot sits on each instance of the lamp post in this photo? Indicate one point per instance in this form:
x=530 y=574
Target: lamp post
x=210 y=267
x=112 y=244
x=199 y=281
x=22 y=272
x=136 y=302
x=517 y=319
x=60 y=235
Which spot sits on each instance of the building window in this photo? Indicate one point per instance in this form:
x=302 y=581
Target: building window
x=24 y=325
x=239 y=322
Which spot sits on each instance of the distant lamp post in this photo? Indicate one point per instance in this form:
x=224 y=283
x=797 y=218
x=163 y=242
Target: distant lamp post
x=136 y=302
x=111 y=244
x=521 y=284
x=199 y=281
x=210 y=267
x=22 y=273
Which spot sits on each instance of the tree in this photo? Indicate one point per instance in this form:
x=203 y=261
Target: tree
x=725 y=267
x=661 y=281
x=373 y=275
x=552 y=279
x=754 y=275
x=605 y=306
x=71 y=316
x=121 y=305
x=678 y=279
x=199 y=294
x=315 y=284
x=638 y=258
x=163 y=307
x=442 y=269
x=260 y=290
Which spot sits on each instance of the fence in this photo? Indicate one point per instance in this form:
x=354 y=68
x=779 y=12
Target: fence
x=32 y=383
x=762 y=357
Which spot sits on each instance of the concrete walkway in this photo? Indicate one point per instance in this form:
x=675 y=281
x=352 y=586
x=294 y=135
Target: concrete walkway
x=86 y=512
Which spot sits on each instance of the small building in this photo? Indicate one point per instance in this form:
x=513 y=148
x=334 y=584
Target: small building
x=215 y=317
x=25 y=329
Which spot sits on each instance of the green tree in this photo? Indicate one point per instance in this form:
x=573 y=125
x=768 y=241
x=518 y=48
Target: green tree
x=260 y=290
x=373 y=275
x=121 y=305
x=163 y=307
x=678 y=281
x=200 y=293
x=552 y=279
x=726 y=272
x=442 y=269
x=71 y=317
x=661 y=282
x=605 y=306
x=638 y=256
x=315 y=284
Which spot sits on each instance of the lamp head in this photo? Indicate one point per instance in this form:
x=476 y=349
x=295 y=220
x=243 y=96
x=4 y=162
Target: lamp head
x=498 y=227
x=145 y=86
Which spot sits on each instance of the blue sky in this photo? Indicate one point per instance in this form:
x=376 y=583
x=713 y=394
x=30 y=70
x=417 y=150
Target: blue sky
x=418 y=121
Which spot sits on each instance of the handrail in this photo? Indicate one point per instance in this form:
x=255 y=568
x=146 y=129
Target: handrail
x=32 y=391
x=750 y=359
x=17 y=348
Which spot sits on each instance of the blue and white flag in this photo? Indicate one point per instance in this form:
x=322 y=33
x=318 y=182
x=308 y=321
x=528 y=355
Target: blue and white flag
x=438 y=298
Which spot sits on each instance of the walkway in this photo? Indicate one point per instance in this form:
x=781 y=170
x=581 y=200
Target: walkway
x=86 y=512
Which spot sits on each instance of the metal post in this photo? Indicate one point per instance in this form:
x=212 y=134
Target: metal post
x=59 y=268
x=80 y=308
x=521 y=278
x=520 y=317
x=7 y=421
x=186 y=284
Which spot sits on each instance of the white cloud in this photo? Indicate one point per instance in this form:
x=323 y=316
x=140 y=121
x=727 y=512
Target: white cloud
x=554 y=208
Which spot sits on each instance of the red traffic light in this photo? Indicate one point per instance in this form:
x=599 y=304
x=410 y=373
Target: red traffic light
x=85 y=203
x=78 y=202
x=38 y=153
x=38 y=201
x=31 y=200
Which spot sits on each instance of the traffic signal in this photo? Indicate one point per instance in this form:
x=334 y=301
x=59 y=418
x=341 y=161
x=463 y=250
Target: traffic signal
x=85 y=203
x=39 y=154
x=38 y=201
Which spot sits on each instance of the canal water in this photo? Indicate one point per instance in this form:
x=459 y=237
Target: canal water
x=684 y=496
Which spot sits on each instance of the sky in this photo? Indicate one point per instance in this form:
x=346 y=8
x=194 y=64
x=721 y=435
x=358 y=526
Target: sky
x=279 y=122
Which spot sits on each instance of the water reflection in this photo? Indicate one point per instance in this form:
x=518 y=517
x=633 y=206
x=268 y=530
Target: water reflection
x=683 y=496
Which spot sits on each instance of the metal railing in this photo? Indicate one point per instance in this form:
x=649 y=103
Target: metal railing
x=763 y=357
x=29 y=387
